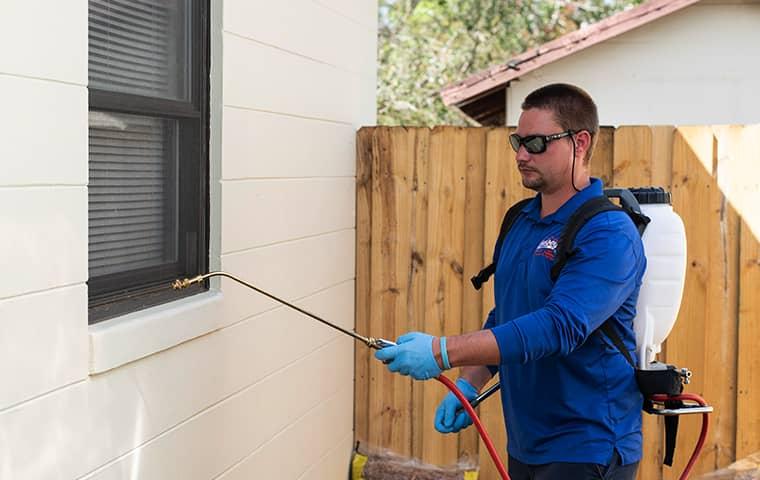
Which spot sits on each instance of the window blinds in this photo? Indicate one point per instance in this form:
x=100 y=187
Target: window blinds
x=132 y=192
x=136 y=47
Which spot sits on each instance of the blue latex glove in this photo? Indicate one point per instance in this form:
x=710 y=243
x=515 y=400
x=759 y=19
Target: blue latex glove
x=447 y=419
x=413 y=355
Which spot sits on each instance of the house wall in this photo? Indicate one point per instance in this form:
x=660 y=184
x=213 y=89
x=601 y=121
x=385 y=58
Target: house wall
x=224 y=384
x=698 y=66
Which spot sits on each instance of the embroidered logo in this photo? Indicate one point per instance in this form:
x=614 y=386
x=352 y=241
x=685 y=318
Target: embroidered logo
x=547 y=248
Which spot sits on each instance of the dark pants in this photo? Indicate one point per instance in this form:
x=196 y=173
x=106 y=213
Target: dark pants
x=573 y=471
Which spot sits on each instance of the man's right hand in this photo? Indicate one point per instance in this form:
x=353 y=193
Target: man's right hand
x=447 y=419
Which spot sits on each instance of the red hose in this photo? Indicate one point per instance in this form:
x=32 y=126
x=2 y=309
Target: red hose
x=703 y=433
x=481 y=429
x=657 y=398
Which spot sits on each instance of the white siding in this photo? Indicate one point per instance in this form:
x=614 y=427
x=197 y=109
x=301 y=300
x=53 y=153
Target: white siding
x=299 y=27
x=43 y=343
x=698 y=66
x=253 y=390
x=274 y=80
x=263 y=145
x=44 y=39
x=43 y=246
x=42 y=125
x=299 y=79
x=363 y=12
x=261 y=212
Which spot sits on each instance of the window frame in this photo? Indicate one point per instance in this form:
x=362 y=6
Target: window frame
x=119 y=293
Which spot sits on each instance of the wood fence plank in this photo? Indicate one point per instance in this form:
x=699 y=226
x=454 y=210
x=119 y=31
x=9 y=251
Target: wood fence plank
x=443 y=283
x=746 y=197
x=653 y=427
x=662 y=156
x=495 y=204
x=363 y=271
x=390 y=395
x=419 y=257
x=697 y=199
x=632 y=167
x=721 y=349
x=632 y=159
x=748 y=379
x=601 y=161
x=662 y=176
x=503 y=187
x=472 y=302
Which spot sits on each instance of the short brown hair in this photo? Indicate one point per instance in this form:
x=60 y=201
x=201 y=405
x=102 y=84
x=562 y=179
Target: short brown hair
x=573 y=109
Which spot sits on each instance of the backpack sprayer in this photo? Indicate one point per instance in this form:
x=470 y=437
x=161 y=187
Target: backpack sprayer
x=664 y=239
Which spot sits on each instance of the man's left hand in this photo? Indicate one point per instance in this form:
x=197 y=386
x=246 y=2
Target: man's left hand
x=413 y=356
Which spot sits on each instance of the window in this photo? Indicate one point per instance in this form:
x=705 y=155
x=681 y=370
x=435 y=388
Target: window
x=148 y=151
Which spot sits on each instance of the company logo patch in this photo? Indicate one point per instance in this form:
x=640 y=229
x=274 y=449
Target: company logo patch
x=547 y=248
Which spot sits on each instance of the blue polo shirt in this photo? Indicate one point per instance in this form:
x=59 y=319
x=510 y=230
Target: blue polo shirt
x=568 y=394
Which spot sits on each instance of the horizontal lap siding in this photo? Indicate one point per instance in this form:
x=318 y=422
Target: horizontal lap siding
x=236 y=400
x=293 y=98
x=110 y=415
x=43 y=295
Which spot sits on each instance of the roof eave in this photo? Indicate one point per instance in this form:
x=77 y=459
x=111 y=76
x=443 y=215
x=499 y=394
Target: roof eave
x=499 y=76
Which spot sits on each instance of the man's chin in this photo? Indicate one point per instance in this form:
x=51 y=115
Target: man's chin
x=533 y=184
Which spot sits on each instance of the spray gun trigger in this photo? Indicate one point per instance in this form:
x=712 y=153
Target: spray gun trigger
x=383 y=343
x=379 y=344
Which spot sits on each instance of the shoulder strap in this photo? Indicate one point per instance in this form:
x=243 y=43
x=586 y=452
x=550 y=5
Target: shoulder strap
x=612 y=334
x=671 y=422
x=577 y=220
x=630 y=205
x=588 y=210
x=506 y=224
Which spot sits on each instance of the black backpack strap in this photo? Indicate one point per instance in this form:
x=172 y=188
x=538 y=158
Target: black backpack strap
x=671 y=431
x=577 y=220
x=608 y=329
x=631 y=206
x=671 y=421
x=506 y=224
x=586 y=212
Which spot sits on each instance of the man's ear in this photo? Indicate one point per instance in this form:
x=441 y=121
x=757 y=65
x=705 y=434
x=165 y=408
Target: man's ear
x=582 y=144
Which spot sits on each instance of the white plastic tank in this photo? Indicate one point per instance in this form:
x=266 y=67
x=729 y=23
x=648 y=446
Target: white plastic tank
x=663 y=283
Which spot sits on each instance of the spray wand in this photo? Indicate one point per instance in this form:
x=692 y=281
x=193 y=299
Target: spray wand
x=371 y=342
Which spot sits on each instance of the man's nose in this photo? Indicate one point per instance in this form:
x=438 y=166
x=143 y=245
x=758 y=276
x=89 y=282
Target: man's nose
x=522 y=154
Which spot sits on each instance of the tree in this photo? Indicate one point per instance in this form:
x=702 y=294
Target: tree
x=424 y=45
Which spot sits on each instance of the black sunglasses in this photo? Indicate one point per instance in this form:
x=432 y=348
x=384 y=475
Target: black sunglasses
x=535 y=143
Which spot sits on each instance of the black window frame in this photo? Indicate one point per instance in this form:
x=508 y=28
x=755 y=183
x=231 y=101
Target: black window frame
x=125 y=292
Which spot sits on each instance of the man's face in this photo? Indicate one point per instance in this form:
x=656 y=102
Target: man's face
x=548 y=171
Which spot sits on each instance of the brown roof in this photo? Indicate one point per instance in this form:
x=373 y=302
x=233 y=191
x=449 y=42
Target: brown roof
x=496 y=77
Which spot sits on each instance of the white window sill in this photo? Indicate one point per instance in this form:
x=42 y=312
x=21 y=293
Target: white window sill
x=130 y=337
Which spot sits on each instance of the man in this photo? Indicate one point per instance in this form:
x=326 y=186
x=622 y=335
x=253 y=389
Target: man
x=571 y=404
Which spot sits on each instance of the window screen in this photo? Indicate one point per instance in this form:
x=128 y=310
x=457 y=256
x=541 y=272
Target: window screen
x=147 y=150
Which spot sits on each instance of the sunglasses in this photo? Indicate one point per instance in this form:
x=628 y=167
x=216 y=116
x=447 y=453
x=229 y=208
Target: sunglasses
x=535 y=143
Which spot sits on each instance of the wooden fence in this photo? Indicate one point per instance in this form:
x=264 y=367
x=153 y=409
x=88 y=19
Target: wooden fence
x=429 y=205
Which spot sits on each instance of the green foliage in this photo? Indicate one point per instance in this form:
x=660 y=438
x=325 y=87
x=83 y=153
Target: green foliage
x=424 y=45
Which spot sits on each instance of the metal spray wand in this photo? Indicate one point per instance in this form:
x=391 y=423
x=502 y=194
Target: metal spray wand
x=371 y=342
